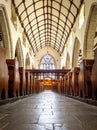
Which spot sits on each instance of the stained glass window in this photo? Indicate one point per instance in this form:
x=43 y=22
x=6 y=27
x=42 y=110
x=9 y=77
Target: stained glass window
x=47 y=62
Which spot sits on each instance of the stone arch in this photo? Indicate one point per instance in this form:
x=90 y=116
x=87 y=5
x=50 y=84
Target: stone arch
x=5 y=32
x=19 y=53
x=90 y=33
x=76 y=52
x=27 y=61
x=68 y=66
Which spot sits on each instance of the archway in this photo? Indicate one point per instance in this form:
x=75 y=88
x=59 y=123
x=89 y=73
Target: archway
x=88 y=52
x=5 y=33
x=90 y=33
x=19 y=53
x=76 y=53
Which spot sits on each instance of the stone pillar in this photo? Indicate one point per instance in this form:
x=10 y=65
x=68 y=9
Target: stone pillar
x=4 y=77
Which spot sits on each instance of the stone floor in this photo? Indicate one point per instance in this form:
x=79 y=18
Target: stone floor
x=48 y=111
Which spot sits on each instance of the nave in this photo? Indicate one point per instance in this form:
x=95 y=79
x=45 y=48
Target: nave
x=48 y=111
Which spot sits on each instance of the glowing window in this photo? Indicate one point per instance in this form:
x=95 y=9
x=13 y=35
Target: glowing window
x=47 y=62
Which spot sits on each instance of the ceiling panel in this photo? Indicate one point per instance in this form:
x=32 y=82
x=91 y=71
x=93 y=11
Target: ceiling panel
x=47 y=22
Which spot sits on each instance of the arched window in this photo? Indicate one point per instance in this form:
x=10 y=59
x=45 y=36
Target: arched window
x=47 y=62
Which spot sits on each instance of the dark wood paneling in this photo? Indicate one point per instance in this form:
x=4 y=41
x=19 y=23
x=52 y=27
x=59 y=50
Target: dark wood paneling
x=14 y=78
x=69 y=83
x=66 y=84
x=85 y=86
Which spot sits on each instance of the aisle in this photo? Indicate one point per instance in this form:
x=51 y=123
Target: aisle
x=48 y=111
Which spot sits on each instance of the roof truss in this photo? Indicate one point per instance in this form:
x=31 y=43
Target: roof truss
x=47 y=22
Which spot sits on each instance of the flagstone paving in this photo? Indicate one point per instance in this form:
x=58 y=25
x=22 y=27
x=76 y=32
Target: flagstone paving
x=48 y=111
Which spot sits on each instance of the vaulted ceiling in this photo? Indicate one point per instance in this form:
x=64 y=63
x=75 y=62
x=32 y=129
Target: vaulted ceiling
x=47 y=22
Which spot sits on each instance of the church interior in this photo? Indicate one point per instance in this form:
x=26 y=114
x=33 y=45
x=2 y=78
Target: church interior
x=48 y=47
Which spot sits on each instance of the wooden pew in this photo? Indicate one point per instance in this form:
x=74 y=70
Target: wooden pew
x=14 y=78
x=66 y=84
x=27 y=75
x=69 y=83
x=75 y=80
x=22 y=81
x=85 y=86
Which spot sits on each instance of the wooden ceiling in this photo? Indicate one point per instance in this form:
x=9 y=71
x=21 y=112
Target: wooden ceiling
x=47 y=22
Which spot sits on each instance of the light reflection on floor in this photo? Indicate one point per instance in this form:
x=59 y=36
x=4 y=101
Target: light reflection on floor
x=48 y=111
x=47 y=90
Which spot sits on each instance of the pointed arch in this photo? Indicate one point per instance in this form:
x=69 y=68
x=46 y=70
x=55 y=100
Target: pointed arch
x=68 y=66
x=5 y=32
x=19 y=53
x=47 y=62
x=90 y=33
x=76 y=53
